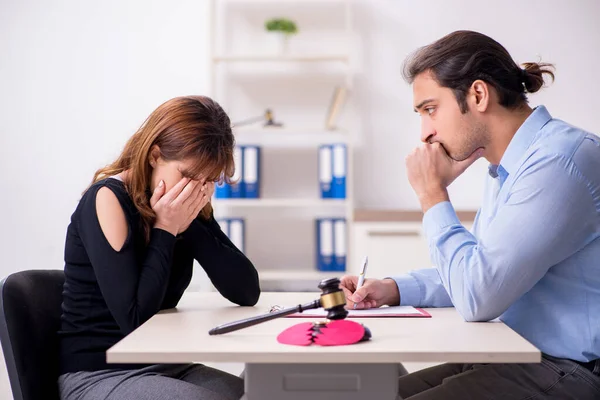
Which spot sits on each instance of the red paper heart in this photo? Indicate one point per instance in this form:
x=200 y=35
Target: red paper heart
x=333 y=333
x=299 y=334
x=341 y=332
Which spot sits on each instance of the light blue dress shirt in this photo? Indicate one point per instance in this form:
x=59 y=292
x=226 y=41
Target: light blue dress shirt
x=533 y=257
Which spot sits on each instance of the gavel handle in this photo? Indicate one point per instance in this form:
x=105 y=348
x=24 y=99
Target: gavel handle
x=244 y=323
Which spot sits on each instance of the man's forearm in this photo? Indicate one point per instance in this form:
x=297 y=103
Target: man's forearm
x=422 y=288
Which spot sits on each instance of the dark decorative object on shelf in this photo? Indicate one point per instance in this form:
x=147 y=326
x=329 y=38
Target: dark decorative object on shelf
x=267 y=117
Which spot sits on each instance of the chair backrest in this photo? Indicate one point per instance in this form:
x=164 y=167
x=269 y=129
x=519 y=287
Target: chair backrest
x=30 y=310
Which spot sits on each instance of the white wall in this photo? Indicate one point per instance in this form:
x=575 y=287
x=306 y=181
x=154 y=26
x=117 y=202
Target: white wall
x=564 y=32
x=78 y=77
x=76 y=80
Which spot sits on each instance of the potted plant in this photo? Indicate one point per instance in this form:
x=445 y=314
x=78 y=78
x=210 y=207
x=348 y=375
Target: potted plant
x=284 y=28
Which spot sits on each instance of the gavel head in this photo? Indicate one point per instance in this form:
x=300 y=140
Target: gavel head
x=333 y=299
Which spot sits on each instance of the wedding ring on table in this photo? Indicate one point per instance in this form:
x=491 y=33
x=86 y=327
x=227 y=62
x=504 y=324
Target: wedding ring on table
x=275 y=308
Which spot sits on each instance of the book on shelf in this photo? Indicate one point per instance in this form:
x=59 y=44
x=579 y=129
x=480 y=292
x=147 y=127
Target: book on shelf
x=335 y=107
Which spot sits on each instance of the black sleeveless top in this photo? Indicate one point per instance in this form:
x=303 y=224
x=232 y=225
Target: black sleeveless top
x=107 y=293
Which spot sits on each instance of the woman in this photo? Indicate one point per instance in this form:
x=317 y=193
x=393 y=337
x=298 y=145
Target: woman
x=129 y=253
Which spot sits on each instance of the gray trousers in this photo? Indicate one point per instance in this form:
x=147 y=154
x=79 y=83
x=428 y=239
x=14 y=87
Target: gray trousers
x=157 y=382
x=553 y=378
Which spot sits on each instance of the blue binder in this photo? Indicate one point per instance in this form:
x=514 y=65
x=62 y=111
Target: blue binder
x=339 y=171
x=251 y=171
x=339 y=244
x=237 y=187
x=222 y=190
x=324 y=247
x=325 y=171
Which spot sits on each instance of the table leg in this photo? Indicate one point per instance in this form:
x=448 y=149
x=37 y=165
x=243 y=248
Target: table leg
x=321 y=381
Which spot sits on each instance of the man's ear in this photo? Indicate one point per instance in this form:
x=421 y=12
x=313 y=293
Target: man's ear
x=154 y=156
x=479 y=95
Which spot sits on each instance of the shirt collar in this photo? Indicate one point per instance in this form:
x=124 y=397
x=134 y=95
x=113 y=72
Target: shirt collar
x=521 y=141
x=497 y=172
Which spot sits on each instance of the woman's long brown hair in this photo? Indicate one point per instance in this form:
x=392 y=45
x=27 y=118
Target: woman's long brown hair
x=183 y=128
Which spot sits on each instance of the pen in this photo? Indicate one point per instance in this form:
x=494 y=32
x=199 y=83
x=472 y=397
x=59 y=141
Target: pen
x=361 y=277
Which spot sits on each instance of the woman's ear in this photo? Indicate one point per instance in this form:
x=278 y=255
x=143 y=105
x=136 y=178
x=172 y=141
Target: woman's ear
x=154 y=156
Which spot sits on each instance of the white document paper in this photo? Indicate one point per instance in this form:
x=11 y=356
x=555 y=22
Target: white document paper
x=394 y=311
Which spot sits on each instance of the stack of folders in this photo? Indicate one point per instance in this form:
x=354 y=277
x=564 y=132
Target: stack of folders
x=235 y=229
x=331 y=244
x=332 y=171
x=246 y=177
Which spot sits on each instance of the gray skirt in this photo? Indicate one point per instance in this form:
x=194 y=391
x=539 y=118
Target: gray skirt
x=157 y=382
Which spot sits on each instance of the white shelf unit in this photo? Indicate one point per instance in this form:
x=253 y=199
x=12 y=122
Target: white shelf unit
x=240 y=74
x=291 y=138
x=270 y=2
x=294 y=274
x=291 y=202
x=283 y=58
x=295 y=280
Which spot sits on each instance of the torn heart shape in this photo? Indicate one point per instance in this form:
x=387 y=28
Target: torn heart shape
x=333 y=333
x=299 y=334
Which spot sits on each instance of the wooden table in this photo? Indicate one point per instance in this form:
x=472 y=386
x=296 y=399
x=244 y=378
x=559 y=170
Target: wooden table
x=277 y=371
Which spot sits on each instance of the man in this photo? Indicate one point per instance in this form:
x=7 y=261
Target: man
x=533 y=259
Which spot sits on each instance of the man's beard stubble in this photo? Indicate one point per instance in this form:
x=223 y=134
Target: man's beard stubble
x=474 y=138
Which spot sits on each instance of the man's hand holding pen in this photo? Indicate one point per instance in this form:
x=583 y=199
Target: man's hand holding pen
x=372 y=294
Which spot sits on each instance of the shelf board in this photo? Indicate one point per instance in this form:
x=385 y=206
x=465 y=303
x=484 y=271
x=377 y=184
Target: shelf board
x=286 y=137
x=280 y=2
x=275 y=58
x=278 y=275
x=264 y=202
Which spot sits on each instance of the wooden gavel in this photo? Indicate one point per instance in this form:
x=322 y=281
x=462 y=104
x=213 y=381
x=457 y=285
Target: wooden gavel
x=332 y=300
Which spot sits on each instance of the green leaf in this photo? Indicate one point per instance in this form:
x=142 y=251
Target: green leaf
x=283 y=25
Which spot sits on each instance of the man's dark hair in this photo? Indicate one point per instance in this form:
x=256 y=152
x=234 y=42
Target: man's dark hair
x=462 y=57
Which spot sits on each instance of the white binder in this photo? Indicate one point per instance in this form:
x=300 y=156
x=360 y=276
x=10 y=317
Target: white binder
x=236 y=233
x=325 y=171
x=339 y=238
x=236 y=185
x=325 y=260
x=250 y=170
x=338 y=185
x=224 y=224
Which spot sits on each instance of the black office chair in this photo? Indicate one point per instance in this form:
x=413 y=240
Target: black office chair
x=30 y=310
